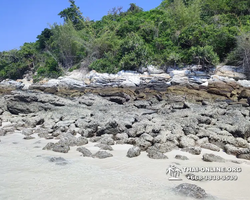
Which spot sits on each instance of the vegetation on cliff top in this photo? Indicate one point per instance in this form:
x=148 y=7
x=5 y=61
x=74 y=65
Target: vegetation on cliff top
x=177 y=32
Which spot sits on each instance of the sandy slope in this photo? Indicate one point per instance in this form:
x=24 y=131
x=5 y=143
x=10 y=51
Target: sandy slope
x=27 y=174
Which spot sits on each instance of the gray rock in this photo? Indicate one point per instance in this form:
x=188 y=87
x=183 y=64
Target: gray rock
x=28 y=137
x=142 y=144
x=133 y=152
x=230 y=149
x=81 y=141
x=104 y=147
x=3 y=132
x=212 y=158
x=147 y=137
x=112 y=127
x=244 y=156
x=107 y=140
x=27 y=131
x=210 y=147
x=62 y=148
x=85 y=152
x=121 y=136
x=154 y=154
x=162 y=137
x=192 y=150
x=58 y=160
x=181 y=157
x=190 y=190
x=102 y=154
x=49 y=146
x=165 y=147
x=202 y=141
x=116 y=99
x=95 y=139
x=187 y=142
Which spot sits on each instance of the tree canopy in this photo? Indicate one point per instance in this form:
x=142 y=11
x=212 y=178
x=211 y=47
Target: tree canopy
x=177 y=32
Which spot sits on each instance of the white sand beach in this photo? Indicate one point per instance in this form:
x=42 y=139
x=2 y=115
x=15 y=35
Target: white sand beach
x=26 y=173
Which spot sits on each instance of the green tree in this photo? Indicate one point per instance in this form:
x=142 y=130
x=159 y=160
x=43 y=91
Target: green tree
x=134 y=53
x=43 y=38
x=73 y=14
x=204 y=56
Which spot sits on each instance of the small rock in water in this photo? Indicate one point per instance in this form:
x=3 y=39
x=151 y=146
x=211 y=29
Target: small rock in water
x=191 y=190
x=102 y=154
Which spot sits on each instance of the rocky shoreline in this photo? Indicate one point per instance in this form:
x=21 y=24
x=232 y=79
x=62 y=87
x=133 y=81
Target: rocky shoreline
x=155 y=118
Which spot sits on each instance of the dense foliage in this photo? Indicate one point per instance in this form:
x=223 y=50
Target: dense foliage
x=177 y=32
